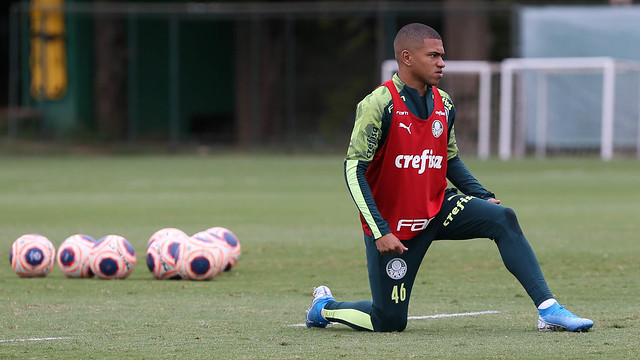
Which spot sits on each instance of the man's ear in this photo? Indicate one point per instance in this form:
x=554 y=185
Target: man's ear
x=405 y=57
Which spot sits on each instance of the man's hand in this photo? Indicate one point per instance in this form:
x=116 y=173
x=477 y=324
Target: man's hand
x=390 y=244
x=495 y=201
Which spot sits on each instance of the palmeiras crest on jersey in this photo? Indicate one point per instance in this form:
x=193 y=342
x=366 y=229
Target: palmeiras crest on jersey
x=437 y=128
x=396 y=268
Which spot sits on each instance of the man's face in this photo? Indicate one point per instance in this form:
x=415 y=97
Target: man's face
x=427 y=62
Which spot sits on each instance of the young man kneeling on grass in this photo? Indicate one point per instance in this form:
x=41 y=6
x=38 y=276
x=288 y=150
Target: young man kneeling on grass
x=401 y=153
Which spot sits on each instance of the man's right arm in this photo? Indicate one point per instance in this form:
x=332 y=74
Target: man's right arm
x=364 y=142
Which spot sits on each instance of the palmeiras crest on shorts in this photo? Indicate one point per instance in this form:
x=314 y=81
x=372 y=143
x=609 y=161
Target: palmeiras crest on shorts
x=396 y=268
x=437 y=128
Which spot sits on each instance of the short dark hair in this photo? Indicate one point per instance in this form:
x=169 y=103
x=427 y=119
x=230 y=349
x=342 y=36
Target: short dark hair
x=419 y=32
x=414 y=33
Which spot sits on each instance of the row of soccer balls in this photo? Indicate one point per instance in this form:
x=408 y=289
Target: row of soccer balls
x=171 y=254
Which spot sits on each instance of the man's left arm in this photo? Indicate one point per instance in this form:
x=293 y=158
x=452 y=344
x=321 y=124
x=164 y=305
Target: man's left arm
x=457 y=172
x=463 y=180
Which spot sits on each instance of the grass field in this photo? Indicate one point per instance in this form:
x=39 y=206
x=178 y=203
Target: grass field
x=298 y=229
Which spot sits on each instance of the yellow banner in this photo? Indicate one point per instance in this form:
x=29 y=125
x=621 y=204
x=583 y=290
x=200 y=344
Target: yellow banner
x=48 y=58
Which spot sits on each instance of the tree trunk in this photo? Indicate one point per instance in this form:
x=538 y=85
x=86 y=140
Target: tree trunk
x=110 y=77
x=467 y=36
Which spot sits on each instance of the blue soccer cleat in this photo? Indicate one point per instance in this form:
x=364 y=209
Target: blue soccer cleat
x=557 y=318
x=321 y=296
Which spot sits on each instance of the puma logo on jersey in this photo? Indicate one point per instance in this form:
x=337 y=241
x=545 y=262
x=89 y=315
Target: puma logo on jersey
x=406 y=127
x=422 y=162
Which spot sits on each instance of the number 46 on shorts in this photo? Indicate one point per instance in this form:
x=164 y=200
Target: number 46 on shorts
x=398 y=293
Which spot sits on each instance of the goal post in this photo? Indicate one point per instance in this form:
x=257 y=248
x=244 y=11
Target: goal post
x=566 y=93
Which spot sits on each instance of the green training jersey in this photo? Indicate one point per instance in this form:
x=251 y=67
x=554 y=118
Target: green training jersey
x=371 y=127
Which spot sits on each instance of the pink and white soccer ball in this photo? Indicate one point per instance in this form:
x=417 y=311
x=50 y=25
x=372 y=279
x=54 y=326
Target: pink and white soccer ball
x=112 y=257
x=73 y=256
x=211 y=240
x=164 y=233
x=165 y=254
x=202 y=261
x=32 y=255
x=230 y=241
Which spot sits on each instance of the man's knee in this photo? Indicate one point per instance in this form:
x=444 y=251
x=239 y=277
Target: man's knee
x=391 y=323
x=512 y=220
x=500 y=223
